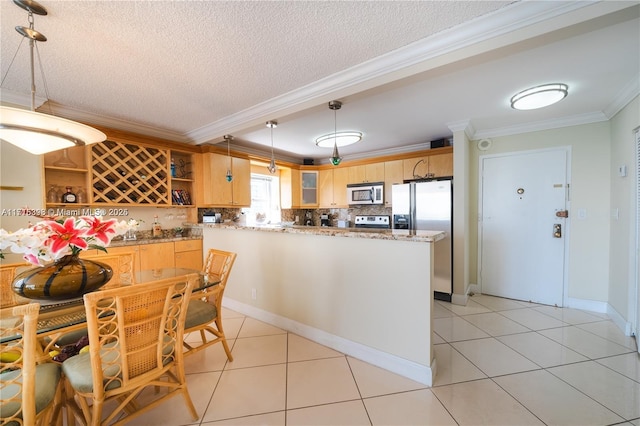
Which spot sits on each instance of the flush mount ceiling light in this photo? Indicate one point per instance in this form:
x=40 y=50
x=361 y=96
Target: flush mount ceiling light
x=341 y=139
x=33 y=131
x=272 y=164
x=539 y=96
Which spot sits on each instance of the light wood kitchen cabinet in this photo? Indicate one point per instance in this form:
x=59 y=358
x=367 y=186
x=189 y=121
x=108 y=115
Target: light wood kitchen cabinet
x=373 y=172
x=217 y=191
x=436 y=165
x=69 y=167
x=308 y=189
x=332 y=185
x=182 y=179
x=156 y=255
x=393 y=174
x=188 y=254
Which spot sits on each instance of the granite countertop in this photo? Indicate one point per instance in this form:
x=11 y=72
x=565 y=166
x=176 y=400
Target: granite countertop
x=122 y=243
x=374 y=234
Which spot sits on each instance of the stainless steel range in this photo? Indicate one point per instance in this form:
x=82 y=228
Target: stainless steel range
x=374 y=222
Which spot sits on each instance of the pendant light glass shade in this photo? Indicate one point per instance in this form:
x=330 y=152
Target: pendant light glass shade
x=33 y=131
x=272 y=168
x=39 y=133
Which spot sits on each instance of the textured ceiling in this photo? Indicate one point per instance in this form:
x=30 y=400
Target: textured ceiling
x=194 y=70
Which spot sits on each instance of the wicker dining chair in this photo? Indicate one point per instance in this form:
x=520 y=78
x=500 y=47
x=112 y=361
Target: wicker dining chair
x=205 y=307
x=8 y=272
x=135 y=342
x=27 y=390
x=122 y=265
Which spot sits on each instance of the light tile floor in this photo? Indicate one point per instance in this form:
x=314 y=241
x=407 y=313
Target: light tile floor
x=499 y=361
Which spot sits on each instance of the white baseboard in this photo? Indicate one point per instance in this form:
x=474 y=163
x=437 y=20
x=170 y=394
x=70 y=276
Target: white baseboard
x=393 y=363
x=619 y=320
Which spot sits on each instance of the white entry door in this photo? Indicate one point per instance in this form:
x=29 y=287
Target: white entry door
x=522 y=230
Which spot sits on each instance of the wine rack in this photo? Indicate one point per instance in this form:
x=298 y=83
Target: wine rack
x=129 y=174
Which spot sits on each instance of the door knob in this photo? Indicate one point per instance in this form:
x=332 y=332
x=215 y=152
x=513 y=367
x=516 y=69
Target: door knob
x=557 y=230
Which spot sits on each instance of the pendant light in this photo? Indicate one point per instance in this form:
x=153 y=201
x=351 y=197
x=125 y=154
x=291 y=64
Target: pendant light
x=33 y=131
x=335 y=157
x=228 y=176
x=272 y=164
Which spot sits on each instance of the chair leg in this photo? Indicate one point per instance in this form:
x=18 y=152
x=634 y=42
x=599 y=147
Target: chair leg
x=218 y=322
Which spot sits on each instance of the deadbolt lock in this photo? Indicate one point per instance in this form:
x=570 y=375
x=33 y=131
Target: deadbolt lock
x=557 y=230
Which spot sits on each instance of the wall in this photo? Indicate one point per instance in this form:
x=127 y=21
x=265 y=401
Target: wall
x=364 y=297
x=623 y=254
x=19 y=168
x=588 y=259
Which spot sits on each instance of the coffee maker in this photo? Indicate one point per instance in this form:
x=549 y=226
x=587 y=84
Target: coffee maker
x=325 y=220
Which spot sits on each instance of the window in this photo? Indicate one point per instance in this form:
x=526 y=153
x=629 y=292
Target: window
x=265 y=200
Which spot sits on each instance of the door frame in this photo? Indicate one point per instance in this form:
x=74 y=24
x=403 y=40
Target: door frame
x=636 y=301
x=567 y=227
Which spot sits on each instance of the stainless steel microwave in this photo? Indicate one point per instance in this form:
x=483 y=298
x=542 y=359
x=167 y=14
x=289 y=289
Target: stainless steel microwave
x=365 y=193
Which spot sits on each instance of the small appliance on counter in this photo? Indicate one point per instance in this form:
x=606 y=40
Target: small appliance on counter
x=373 y=222
x=211 y=217
x=324 y=220
x=344 y=223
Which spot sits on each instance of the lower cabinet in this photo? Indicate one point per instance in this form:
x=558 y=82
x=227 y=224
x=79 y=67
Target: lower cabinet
x=178 y=254
x=156 y=255
x=188 y=254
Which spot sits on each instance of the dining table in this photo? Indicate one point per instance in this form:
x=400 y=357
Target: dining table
x=58 y=317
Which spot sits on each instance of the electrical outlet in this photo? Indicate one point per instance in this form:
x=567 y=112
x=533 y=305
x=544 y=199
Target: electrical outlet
x=254 y=294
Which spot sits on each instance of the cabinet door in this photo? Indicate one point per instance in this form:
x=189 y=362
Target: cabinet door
x=441 y=165
x=241 y=182
x=357 y=174
x=393 y=174
x=309 y=188
x=340 y=180
x=325 y=188
x=125 y=249
x=415 y=168
x=156 y=256
x=216 y=189
x=189 y=259
x=374 y=172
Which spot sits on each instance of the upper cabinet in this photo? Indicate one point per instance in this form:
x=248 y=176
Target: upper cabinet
x=125 y=173
x=333 y=187
x=373 y=172
x=428 y=166
x=393 y=174
x=216 y=189
x=127 y=170
x=308 y=189
x=66 y=168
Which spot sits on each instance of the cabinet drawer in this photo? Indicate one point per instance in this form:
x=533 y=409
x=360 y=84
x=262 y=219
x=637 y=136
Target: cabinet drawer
x=187 y=245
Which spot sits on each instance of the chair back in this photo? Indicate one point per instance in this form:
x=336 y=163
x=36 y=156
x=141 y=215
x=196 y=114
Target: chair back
x=136 y=332
x=122 y=265
x=18 y=327
x=219 y=263
x=8 y=271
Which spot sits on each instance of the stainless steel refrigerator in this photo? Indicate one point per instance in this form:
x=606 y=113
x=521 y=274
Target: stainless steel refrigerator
x=428 y=205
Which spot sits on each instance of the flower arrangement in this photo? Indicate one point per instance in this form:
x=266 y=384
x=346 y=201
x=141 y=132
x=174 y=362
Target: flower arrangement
x=50 y=240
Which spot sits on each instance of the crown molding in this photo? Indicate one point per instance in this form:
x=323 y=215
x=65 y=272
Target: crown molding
x=576 y=120
x=626 y=95
x=19 y=99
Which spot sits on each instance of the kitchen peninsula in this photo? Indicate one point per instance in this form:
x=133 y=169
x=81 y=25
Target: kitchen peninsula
x=365 y=294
